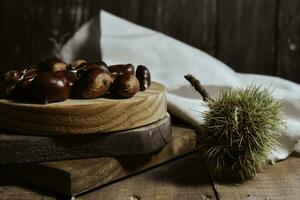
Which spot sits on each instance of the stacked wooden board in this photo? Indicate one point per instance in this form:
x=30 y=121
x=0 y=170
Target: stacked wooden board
x=109 y=138
x=73 y=177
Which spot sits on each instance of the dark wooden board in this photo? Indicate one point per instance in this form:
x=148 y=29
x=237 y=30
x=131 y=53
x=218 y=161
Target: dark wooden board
x=26 y=148
x=246 y=35
x=76 y=176
x=289 y=40
x=251 y=36
x=193 y=21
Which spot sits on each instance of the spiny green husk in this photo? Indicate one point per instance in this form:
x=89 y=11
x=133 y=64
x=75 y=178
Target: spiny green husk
x=241 y=128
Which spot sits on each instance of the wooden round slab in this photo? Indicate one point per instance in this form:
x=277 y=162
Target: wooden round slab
x=16 y=148
x=76 y=116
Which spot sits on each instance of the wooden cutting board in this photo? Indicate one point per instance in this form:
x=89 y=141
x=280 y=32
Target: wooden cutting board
x=26 y=148
x=76 y=116
x=74 y=177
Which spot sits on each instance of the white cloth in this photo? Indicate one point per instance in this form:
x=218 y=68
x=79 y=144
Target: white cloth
x=169 y=60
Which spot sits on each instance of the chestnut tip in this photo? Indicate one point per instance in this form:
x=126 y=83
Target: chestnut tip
x=119 y=70
x=52 y=65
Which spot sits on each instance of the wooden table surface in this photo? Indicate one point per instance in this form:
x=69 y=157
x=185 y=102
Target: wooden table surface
x=183 y=178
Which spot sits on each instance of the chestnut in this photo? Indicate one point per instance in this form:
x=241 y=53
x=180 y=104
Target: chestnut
x=118 y=70
x=52 y=65
x=143 y=75
x=77 y=64
x=14 y=76
x=51 y=87
x=93 y=83
x=101 y=63
x=70 y=75
x=23 y=89
x=125 y=86
x=31 y=73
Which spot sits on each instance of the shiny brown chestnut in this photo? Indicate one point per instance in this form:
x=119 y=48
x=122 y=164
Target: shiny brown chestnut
x=93 y=83
x=14 y=76
x=24 y=88
x=81 y=69
x=70 y=75
x=31 y=73
x=52 y=65
x=51 y=87
x=143 y=75
x=101 y=63
x=119 y=70
x=125 y=86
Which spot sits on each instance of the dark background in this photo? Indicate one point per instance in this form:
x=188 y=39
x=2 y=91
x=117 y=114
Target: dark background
x=254 y=36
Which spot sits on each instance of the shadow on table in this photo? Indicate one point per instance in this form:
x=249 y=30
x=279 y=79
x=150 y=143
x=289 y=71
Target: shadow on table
x=10 y=189
x=189 y=170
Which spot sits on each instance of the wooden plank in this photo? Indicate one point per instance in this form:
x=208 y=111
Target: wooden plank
x=85 y=116
x=182 y=179
x=280 y=181
x=246 y=35
x=288 y=60
x=24 y=148
x=9 y=190
x=31 y=26
x=77 y=176
x=191 y=21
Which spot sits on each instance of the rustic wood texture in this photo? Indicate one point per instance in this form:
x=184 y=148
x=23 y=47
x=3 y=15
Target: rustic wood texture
x=25 y=148
x=89 y=116
x=280 y=181
x=289 y=39
x=185 y=178
x=175 y=18
x=9 y=190
x=246 y=35
x=251 y=36
x=76 y=176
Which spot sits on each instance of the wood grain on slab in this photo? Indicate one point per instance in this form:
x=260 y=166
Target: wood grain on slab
x=27 y=148
x=280 y=181
x=76 y=116
x=77 y=176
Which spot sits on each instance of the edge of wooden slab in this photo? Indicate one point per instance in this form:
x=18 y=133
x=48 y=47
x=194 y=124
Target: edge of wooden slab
x=74 y=177
x=77 y=116
x=24 y=148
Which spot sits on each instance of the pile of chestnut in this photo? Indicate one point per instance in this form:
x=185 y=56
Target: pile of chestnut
x=54 y=81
